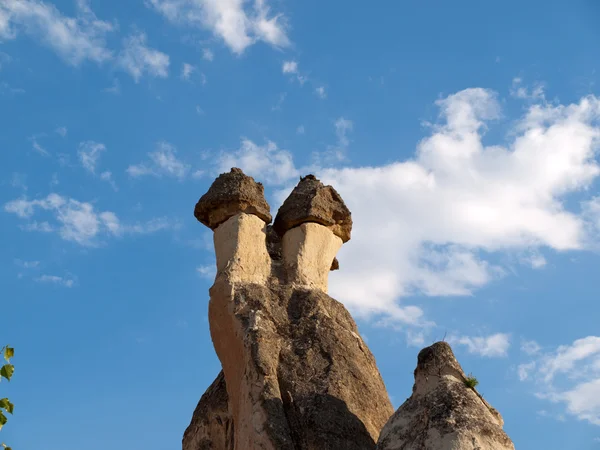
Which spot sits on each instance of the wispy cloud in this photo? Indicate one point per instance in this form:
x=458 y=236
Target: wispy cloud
x=570 y=375
x=519 y=90
x=187 y=70
x=320 y=91
x=38 y=148
x=56 y=280
x=138 y=59
x=208 y=54
x=27 y=264
x=291 y=68
x=266 y=162
x=163 y=162
x=232 y=21
x=77 y=221
x=74 y=39
x=62 y=131
x=495 y=345
x=207 y=271
x=89 y=153
x=277 y=106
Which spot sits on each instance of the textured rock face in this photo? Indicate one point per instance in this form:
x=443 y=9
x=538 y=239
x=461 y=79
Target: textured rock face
x=211 y=427
x=311 y=201
x=442 y=412
x=297 y=374
x=230 y=194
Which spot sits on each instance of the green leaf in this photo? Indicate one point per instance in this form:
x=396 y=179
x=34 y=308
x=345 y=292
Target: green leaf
x=7 y=371
x=9 y=352
x=7 y=405
x=3 y=419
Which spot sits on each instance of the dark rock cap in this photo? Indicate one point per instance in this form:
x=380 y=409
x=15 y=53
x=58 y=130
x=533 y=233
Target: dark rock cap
x=312 y=201
x=437 y=358
x=230 y=194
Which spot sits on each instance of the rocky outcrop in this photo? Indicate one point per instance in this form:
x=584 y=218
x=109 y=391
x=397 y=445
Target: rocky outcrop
x=443 y=412
x=230 y=194
x=296 y=373
x=311 y=201
x=211 y=426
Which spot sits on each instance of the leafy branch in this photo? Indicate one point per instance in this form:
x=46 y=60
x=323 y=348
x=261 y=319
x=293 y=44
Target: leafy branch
x=6 y=371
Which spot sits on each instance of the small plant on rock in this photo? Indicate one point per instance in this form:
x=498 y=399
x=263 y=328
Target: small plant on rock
x=471 y=381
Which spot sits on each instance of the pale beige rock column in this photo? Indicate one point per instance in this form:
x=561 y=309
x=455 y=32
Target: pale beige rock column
x=443 y=413
x=314 y=222
x=235 y=209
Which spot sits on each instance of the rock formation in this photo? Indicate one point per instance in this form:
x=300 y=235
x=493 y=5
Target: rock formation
x=443 y=413
x=296 y=373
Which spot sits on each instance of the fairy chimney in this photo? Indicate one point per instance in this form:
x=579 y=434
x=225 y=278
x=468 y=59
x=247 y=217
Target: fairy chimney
x=296 y=373
x=444 y=412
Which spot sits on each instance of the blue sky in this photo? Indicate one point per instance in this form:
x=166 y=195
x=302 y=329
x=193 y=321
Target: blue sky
x=464 y=138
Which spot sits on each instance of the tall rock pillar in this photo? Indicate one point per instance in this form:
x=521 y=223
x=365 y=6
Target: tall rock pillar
x=296 y=373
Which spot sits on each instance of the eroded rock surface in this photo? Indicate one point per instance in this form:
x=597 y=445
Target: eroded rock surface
x=296 y=372
x=311 y=201
x=230 y=194
x=211 y=427
x=442 y=412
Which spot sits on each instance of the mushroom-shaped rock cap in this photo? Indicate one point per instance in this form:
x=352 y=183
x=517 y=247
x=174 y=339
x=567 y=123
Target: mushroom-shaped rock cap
x=230 y=194
x=312 y=201
x=437 y=358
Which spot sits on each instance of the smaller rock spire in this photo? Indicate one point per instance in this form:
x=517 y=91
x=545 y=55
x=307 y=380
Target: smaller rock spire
x=312 y=201
x=444 y=412
x=230 y=194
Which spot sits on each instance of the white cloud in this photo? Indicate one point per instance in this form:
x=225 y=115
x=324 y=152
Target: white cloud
x=300 y=129
x=290 y=67
x=530 y=347
x=280 y=100
x=27 y=264
x=320 y=91
x=266 y=163
x=54 y=279
x=6 y=88
x=163 y=162
x=187 y=70
x=524 y=370
x=107 y=176
x=207 y=271
x=495 y=345
x=41 y=227
x=238 y=25
x=19 y=181
x=208 y=54
x=518 y=90
x=38 y=148
x=62 y=131
x=89 y=153
x=137 y=58
x=77 y=221
x=570 y=375
x=342 y=127
x=431 y=224
x=74 y=39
